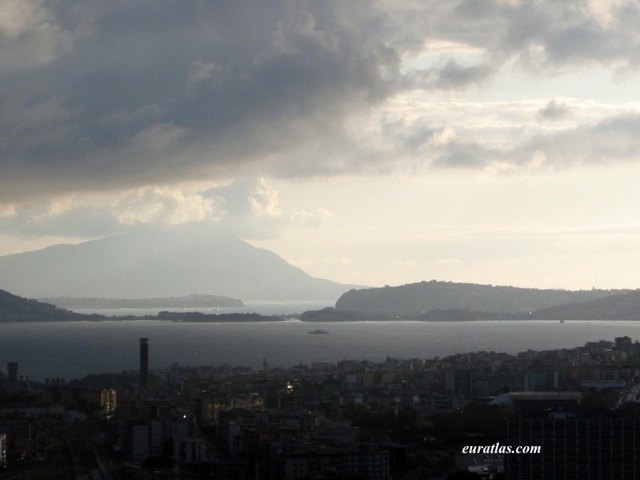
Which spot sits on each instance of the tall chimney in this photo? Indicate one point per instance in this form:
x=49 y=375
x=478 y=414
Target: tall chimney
x=144 y=362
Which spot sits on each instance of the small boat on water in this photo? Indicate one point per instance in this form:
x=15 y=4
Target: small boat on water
x=318 y=332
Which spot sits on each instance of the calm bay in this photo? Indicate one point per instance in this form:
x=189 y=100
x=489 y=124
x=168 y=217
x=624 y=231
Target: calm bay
x=73 y=349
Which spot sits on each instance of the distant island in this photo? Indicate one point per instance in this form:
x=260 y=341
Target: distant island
x=426 y=301
x=187 y=301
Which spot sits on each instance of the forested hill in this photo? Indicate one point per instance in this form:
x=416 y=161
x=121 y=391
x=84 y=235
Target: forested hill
x=419 y=298
x=14 y=308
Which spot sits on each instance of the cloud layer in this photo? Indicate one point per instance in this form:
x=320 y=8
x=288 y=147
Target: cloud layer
x=249 y=207
x=118 y=95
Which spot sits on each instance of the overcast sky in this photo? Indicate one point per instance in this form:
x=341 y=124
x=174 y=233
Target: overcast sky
x=371 y=142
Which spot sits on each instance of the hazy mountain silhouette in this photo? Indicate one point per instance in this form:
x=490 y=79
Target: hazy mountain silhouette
x=618 y=307
x=424 y=297
x=162 y=262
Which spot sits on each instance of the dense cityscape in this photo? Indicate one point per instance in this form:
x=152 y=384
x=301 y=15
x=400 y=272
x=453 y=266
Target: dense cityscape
x=397 y=419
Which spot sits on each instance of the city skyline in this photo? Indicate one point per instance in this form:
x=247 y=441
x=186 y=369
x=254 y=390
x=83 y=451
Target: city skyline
x=378 y=143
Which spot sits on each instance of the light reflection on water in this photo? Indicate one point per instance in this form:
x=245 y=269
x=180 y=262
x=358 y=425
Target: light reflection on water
x=73 y=349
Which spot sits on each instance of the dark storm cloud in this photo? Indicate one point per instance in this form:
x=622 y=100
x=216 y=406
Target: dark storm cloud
x=152 y=91
x=119 y=94
x=546 y=34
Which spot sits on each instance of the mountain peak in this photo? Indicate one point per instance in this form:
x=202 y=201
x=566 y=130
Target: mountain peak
x=150 y=262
